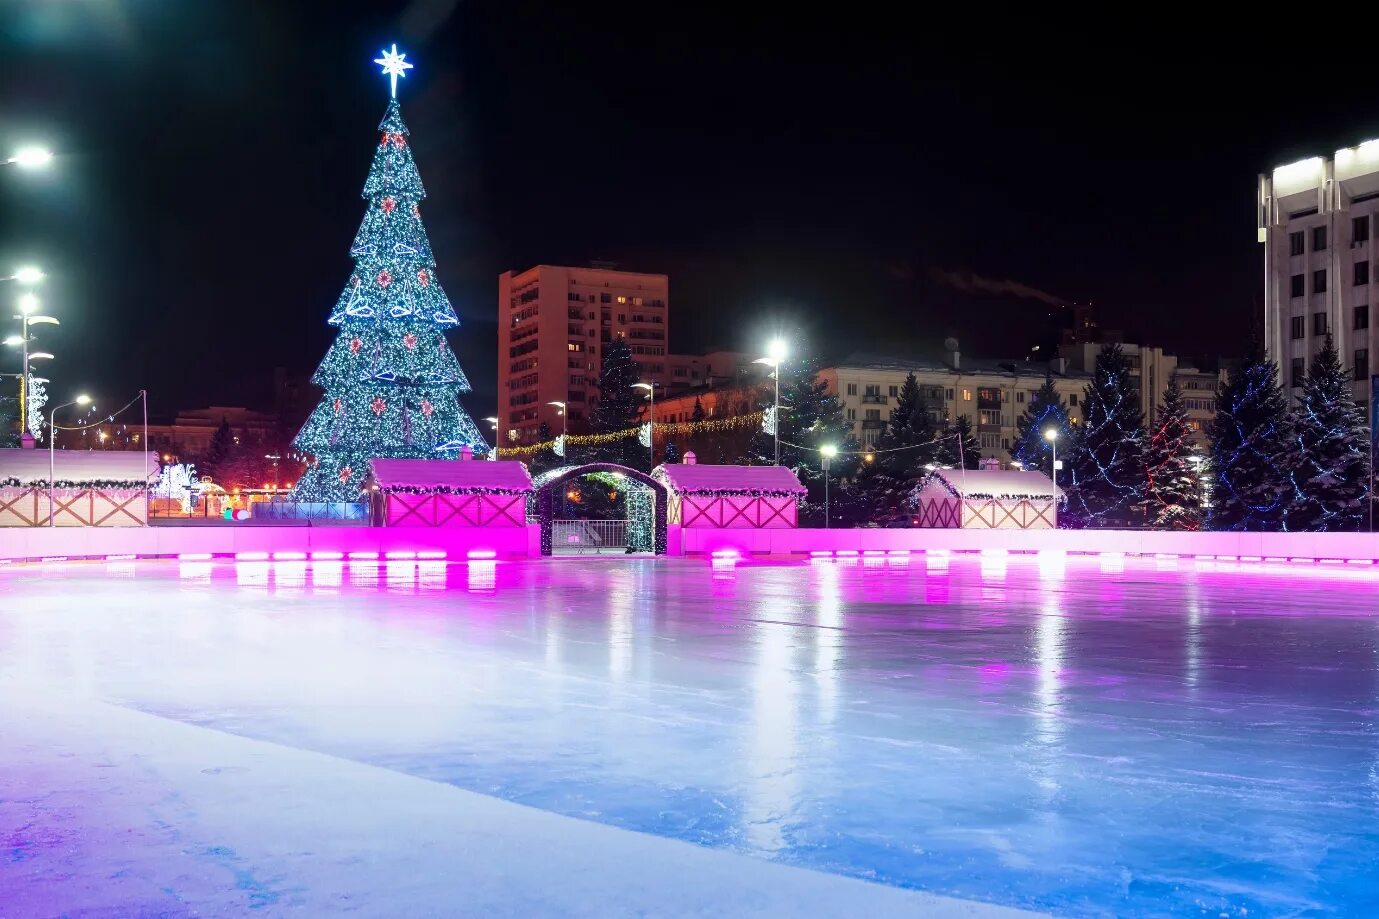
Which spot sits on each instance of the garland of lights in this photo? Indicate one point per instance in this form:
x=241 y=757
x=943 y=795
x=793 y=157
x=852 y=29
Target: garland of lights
x=644 y=530
x=671 y=428
x=36 y=396
x=127 y=484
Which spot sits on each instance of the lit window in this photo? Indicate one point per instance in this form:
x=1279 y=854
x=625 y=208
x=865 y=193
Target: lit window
x=967 y=395
x=622 y=299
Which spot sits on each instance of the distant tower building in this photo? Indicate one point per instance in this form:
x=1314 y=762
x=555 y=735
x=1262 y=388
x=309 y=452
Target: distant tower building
x=1318 y=219
x=553 y=324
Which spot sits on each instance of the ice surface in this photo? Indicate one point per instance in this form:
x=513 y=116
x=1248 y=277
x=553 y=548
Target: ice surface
x=1086 y=738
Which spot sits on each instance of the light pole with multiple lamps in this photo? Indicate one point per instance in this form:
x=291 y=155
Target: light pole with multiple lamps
x=27 y=304
x=826 y=453
x=775 y=356
x=52 y=447
x=651 y=389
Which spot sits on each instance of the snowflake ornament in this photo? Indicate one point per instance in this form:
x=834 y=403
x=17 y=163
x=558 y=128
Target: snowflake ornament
x=385 y=277
x=378 y=405
x=410 y=340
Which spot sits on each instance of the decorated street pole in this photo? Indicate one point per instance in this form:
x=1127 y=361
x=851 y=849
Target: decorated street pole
x=827 y=452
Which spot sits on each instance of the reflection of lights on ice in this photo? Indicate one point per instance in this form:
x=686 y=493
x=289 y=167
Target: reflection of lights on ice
x=327 y=574
x=363 y=574
x=251 y=574
x=289 y=575
x=194 y=571
x=482 y=575
x=431 y=575
x=400 y=575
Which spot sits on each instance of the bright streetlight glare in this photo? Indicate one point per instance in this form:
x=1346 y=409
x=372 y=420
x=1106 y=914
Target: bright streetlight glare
x=1050 y=433
x=83 y=399
x=14 y=340
x=31 y=156
x=28 y=274
x=828 y=450
x=40 y=356
x=27 y=304
x=43 y=320
x=776 y=350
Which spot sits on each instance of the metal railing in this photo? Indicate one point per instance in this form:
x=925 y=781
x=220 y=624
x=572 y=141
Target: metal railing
x=579 y=537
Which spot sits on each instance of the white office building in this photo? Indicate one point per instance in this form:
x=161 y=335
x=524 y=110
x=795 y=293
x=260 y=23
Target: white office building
x=1318 y=221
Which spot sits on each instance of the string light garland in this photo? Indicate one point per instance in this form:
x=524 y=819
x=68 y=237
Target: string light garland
x=139 y=484
x=661 y=428
x=450 y=490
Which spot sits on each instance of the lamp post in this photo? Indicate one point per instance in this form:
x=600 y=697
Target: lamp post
x=493 y=420
x=1051 y=435
x=52 y=447
x=775 y=356
x=827 y=452
x=651 y=390
x=564 y=418
x=27 y=304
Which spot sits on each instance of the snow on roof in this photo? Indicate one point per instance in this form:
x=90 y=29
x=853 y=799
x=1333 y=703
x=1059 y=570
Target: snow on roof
x=30 y=466
x=503 y=475
x=996 y=483
x=703 y=479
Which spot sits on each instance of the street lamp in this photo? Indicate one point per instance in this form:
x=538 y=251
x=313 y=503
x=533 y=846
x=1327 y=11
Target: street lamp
x=30 y=157
x=564 y=422
x=27 y=304
x=651 y=389
x=827 y=452
x=1051 y=435
x=27 y=274
x=775 y=356
x=83 y=399
x=493 y=454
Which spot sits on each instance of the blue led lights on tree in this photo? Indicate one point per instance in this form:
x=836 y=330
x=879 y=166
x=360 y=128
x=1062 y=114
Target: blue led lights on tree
x=391 y=383
x=1249 y=449
x=1107 y=456
x=1044 y=410
x=1173 y=496
x=1329 y=446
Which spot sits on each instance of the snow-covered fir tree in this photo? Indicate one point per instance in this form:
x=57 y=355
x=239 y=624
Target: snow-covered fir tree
x=1044 y=410
x=671 y=454
x=1329 y=466
x=958 y=447
x=619 y=409
x=907 y=444
x=1173 y=498
x=1249 y=449
x=1107 y=455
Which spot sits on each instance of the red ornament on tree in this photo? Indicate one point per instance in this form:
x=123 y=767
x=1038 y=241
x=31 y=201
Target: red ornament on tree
x=442 y=344
x=355 y=345
x=410 y=340
x=378 y=405
x=384 y=278
x=388 y=204
x=424 y=278
x=399 y=141
x=338 y=406
x=345 y=474
x=416 y=211
x=427 y=408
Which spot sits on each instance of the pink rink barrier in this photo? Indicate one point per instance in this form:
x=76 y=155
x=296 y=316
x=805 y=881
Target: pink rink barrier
x=1245 y=547
x=268 y=543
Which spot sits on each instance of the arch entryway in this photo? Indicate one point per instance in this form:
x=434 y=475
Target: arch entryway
x=646 y=499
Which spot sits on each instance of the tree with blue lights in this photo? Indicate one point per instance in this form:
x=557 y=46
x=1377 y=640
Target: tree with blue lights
x=1044 y=410
x=391 y=382
x=1329 y=466
x=1107 y=456
x=1250 y=449
x=1173 y=497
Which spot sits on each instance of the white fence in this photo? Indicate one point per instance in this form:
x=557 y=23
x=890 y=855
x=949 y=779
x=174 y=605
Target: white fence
x=579 y=537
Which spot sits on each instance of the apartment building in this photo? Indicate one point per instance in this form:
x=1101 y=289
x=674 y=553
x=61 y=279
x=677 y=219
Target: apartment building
x=1150 y=371
x=553 y=325
x=1318 y=220
x=991 y=393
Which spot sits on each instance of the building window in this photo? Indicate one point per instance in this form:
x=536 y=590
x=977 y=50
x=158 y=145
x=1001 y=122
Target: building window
x=605 y=298
x=1360 y=229
x=991 y=441
x=852 y=414
x=1072 y=399
x=1361 y=273
x=852 y=389
x=967 y=395
x=1318 y=239
x=1020 y=396
x=1319 y=281
x=1299 y=325
x=873 y=414
x=1299 y=370
x=1296 y=288
x=989 y=417
x=1362 y=363
x=1295 y=243
x=1319 y=323
x=895 y=391
x=948 y=394
x=574 y=346
x=1361 y=317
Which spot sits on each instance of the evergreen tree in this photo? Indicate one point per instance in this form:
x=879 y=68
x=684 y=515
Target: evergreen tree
x=1249 y=449
x=1044 y=410
x=1173 y=498
x=1108 y=449
x=962 y=444
x=908 y=443
x=698 y=413
x=1329 y=468
x=809 y=418
x=671 y=454
x=545 y=459
x=619 y=408
x=391 y=383
x=221 y=446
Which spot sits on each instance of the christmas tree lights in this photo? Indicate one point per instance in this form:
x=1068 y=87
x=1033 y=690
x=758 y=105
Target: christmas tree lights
x=1173 y=497
x=1249 y=449
x=391 y=383
x=1108 y=448
x=1044 y=410
x=1329 y=447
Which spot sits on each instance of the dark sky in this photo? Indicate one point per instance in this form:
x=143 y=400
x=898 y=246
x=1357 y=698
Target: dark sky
x=824 y=173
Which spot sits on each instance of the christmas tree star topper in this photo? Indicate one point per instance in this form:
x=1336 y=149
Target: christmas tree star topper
x=394 y=65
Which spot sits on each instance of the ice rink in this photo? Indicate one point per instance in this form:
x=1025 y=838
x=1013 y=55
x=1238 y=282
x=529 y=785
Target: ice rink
x=1079 y=736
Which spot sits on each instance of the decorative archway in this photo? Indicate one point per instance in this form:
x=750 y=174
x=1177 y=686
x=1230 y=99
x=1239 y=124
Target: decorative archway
x=549 y=483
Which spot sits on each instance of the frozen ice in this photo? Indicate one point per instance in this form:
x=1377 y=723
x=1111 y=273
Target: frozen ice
x=1065 y=735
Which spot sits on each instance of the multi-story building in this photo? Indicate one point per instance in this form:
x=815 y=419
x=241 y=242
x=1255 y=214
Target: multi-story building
x=991 y=393
x=714 y=369
x=1150 y=371
x=553 y=325
x=1319 y=220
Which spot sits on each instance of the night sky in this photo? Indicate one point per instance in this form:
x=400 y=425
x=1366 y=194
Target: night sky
x=848 y=177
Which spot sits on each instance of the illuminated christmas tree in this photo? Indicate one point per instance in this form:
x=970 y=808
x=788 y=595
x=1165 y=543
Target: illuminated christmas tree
x=1045 y=410
x=1173 y=498
x=1107 y=455
x=391 y=383
x=1329 y=466
x=1249 y=449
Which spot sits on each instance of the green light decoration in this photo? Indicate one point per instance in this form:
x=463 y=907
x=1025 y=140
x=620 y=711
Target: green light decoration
x=391 y=383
